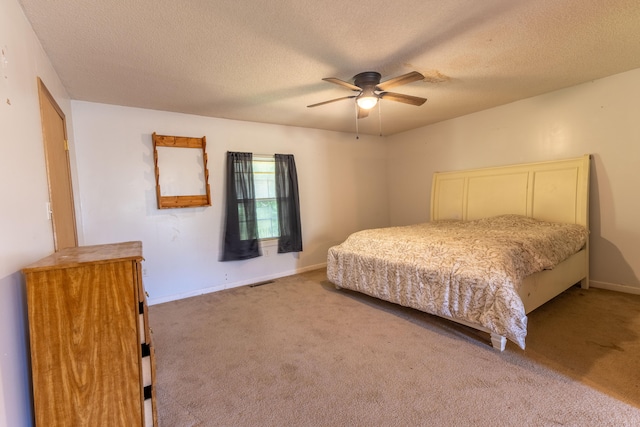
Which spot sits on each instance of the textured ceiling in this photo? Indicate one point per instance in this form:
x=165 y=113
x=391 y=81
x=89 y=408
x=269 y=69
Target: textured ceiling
x=264 y=61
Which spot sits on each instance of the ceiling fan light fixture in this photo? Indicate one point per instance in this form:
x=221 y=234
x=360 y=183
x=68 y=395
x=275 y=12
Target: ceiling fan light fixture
x=367 y=102
x=367 y=99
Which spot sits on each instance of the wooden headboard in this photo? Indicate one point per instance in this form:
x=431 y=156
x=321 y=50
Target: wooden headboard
x=556 y=191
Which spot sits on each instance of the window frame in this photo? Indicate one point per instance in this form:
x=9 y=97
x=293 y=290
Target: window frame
x=270 y=158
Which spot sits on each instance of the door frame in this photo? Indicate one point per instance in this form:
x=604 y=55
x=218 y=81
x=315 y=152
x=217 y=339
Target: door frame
x=62 y=206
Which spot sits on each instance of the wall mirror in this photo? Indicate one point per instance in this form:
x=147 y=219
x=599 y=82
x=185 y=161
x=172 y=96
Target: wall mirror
x=184 y=181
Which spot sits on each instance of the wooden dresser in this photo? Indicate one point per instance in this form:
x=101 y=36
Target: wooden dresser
x=92 y=358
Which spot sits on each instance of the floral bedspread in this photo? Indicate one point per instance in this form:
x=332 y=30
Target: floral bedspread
x=468 y=270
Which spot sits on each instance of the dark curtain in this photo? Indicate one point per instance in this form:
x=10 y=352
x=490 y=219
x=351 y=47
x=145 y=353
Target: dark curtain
x=288 y=204
x=241 y=227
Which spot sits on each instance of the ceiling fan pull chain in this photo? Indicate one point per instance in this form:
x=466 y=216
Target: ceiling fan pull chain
x=380 y=116
x=357 y=131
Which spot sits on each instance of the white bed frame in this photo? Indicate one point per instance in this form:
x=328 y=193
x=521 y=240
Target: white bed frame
x=555 y=191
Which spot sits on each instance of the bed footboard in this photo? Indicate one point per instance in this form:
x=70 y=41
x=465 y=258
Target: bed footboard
x=543 y=286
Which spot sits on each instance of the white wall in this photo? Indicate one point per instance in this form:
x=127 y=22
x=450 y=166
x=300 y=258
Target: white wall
x=601 y=118
x=25 y=232
x=342 y=189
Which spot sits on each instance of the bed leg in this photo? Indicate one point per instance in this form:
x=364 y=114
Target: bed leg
x=584 y=283
x=498 y=341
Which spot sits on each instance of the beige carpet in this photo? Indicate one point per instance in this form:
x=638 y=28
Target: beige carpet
x=297 y=352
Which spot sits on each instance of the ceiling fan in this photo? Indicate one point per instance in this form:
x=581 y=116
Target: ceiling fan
x=370 y=90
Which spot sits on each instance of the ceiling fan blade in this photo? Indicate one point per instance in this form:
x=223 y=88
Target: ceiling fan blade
x=331 y=100
x=406 y=99
x=362 y=113
x=341 y=83
x=404 y=79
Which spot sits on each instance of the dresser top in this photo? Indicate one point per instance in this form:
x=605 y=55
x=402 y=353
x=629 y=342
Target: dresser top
x=73 y=257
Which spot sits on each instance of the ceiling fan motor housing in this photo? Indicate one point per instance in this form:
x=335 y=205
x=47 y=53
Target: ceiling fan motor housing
x=367 y=78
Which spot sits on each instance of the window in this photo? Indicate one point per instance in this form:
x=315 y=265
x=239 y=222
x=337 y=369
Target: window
x=261 y=203
x=264 y=181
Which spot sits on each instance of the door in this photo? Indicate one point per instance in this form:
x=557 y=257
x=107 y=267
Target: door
x=54 y=133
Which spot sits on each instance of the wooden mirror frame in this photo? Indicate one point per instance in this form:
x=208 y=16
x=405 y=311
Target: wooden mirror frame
x=190 y=201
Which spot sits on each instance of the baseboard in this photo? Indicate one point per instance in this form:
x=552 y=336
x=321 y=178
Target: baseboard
x=615 y=287
x=208 y=290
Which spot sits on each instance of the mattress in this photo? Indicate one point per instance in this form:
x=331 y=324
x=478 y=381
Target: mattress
x=466 y=270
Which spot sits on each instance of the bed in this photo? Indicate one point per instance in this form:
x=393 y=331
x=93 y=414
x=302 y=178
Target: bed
x=473 y=212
